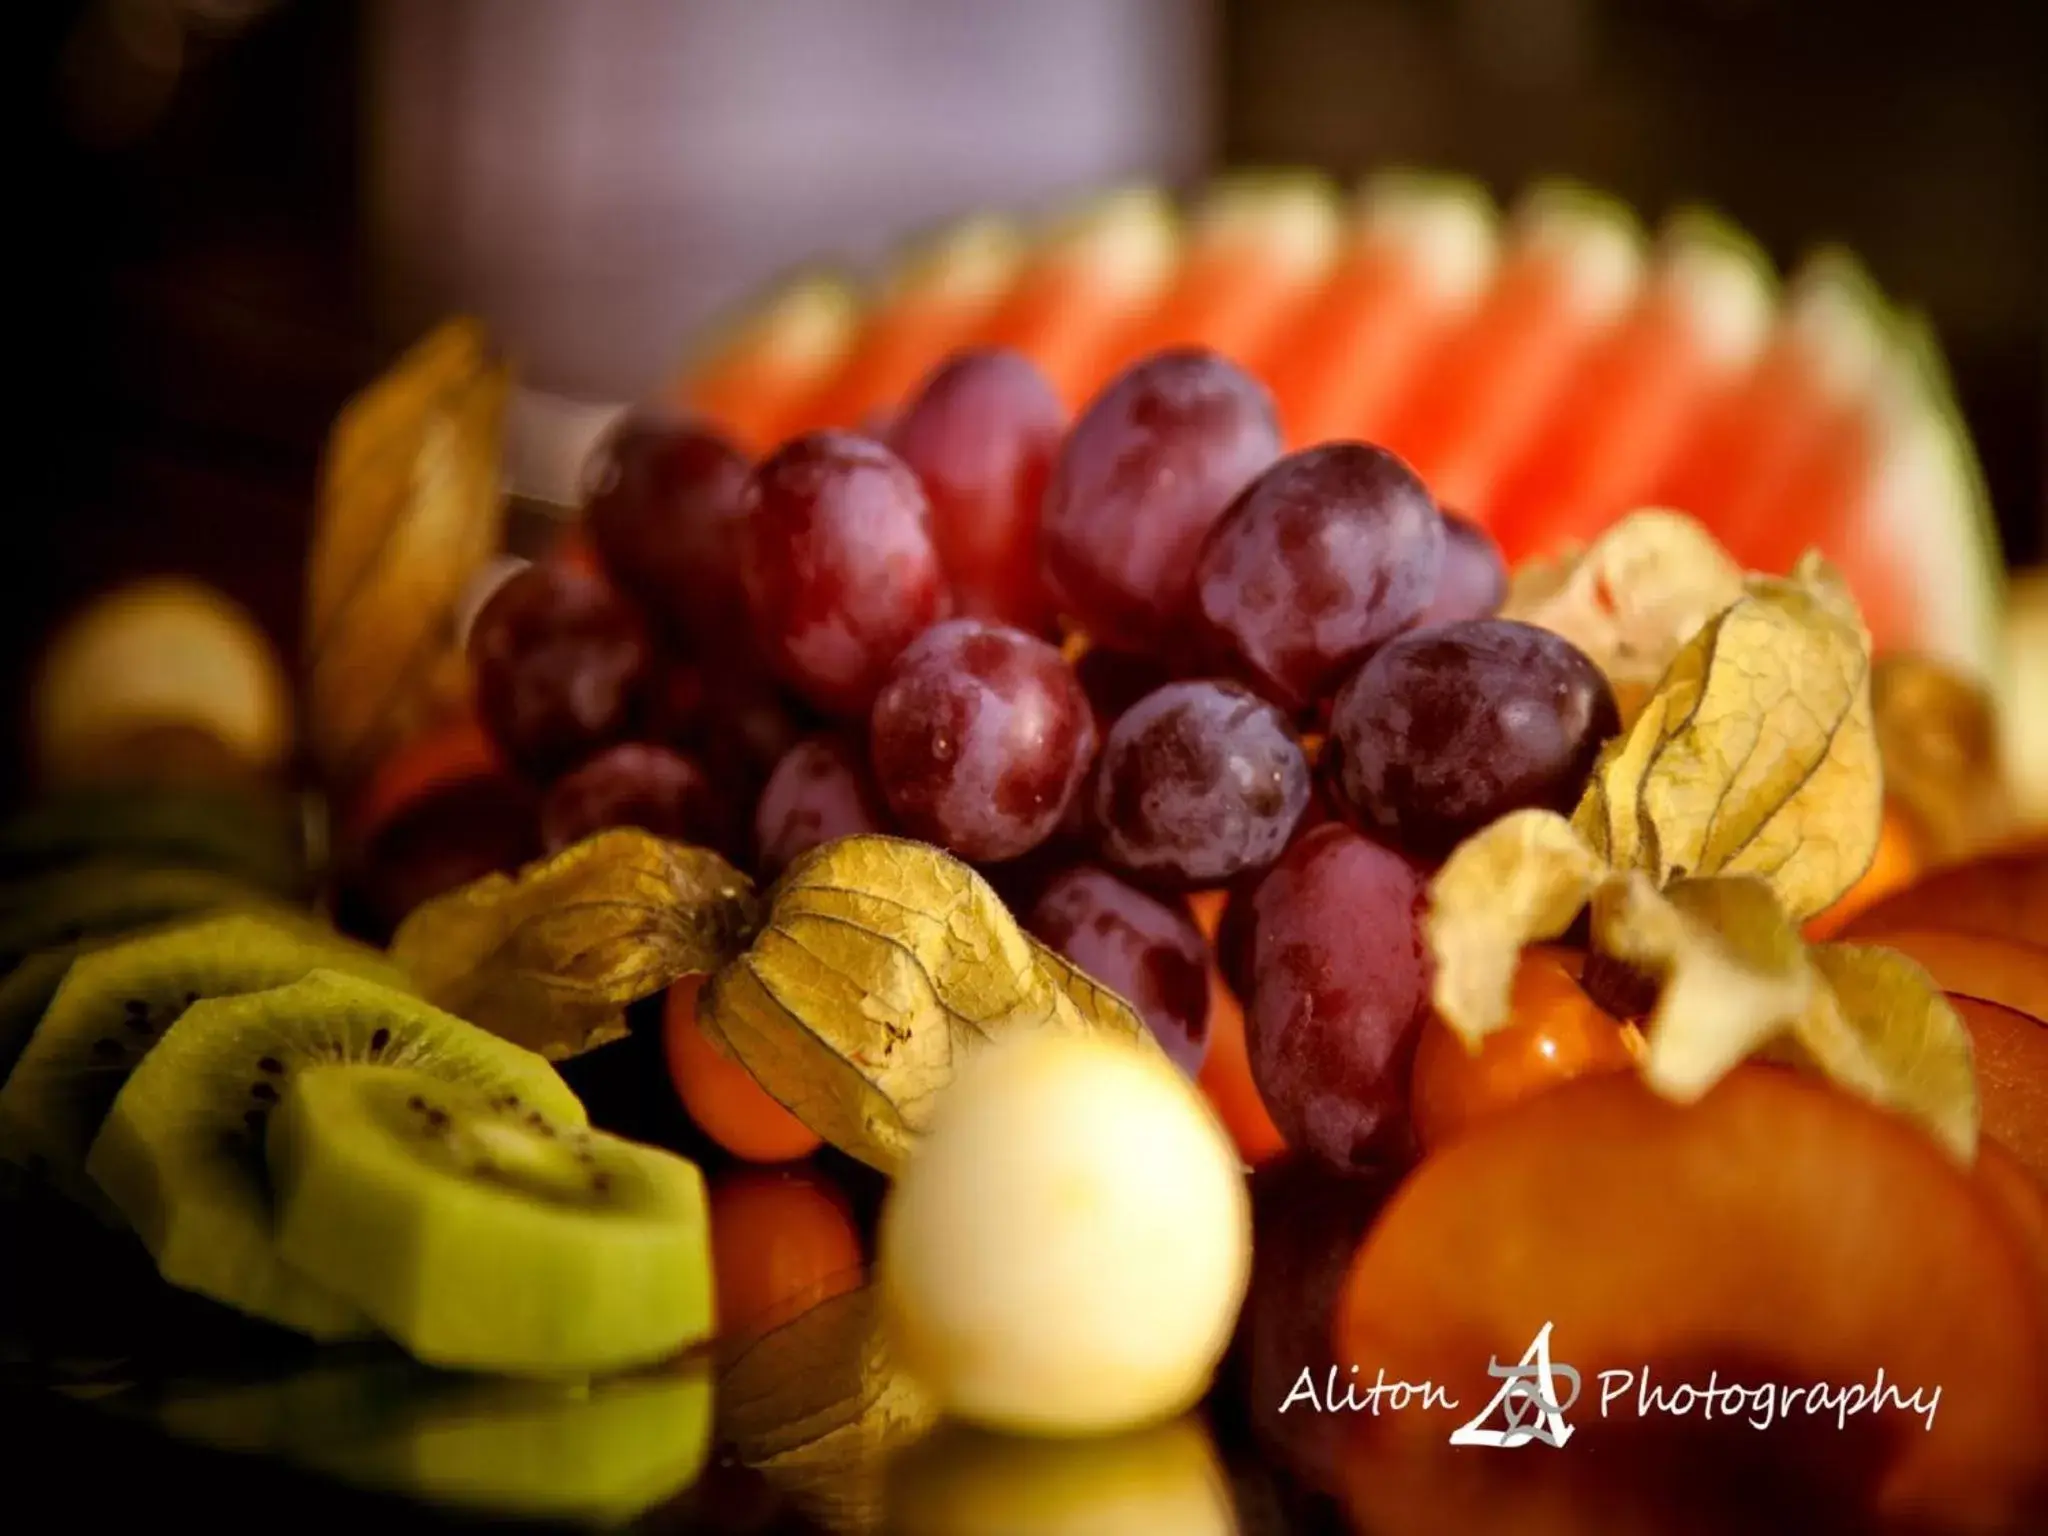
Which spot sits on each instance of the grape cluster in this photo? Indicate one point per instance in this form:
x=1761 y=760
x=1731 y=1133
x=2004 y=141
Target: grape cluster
x=1113 y=662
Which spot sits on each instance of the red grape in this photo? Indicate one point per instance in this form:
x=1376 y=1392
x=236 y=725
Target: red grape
x=730 y=717
x=1327 y=554
x=1199 y=782
x=1341 y=980
x=981 y=437
x=1474 y=580
x=662 y=506
x=837 y=560
x=636 y=784
x=447 y=837
x=1144 y=474
x=819 y=792
x=1146 y=951
x=981 y=738
x=1447 y=729
x=560 y=663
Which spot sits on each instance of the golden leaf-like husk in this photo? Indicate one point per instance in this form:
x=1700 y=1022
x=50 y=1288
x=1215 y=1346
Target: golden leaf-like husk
x=410 y=507
x=549 y=958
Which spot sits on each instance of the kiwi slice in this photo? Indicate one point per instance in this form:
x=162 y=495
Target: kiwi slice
x=264 y=837
x=110 y=896
x=489 y=1234
x=25 y=997
x=181 y=1153
x=115 y=1002
x=601 y=1452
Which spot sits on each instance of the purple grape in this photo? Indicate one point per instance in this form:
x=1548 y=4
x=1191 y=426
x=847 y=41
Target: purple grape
x=1327 y=554
x=1147 y=952
x=819 y=792
x=560 y=662
x=729 y=716
x=1145 y=473
x=449 y=836
x=662 y=505
x=636 y=784
x=1474 y=580
x=837 y=560
x=1199 y=782
x=1447 y=729
x=981 y=436
x=980 y=739
x=1340 y=984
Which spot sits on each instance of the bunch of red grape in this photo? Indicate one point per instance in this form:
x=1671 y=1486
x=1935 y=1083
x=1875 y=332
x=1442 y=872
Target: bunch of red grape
x=1111 y=662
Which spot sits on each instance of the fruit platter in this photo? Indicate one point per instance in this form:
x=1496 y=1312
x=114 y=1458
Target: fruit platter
x=1291 y=860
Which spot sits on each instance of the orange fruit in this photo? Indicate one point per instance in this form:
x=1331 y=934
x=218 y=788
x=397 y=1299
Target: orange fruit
x=782 y=1240
x=1896 y=865
x=1558 y=1033
x=721 y=1095
x=457 y=749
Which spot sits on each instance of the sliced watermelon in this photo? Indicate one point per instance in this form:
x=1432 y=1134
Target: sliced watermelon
x=754 y=377
x=1093 y=276
x=1919 y=545
x=1573 y=266
x=1702 y=320
x=1548 y=383
x=1257 y=246
x=1747 y=447
x=929 y=305
x=1421 y=251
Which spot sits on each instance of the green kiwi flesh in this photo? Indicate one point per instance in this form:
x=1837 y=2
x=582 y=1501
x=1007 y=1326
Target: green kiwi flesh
x=181 y=1155
x=599 y=1453
x=485 y=1234
x=116 y=1001
x=266 y=838
x=110 y=896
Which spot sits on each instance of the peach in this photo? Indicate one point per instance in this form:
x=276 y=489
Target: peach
x=2022 y=1197
x=1991 y=970
x=2012 y=1078
x=1778 y=1231
x=2002 y=895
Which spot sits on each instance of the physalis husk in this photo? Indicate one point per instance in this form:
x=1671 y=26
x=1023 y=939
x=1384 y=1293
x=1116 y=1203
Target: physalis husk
x=1630 y=601
x=880 y=963
x=550 y=957
x=410 y=508
x=1745 y=797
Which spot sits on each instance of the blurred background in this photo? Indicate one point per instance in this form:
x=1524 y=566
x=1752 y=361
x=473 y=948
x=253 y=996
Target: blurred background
x=243 y=208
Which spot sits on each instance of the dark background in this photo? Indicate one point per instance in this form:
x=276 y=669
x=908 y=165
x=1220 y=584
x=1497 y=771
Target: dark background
x=196 y=304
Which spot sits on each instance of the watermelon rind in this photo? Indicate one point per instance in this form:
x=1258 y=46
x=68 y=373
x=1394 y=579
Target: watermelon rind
x=1724 y=280
x=1293 y=217
x=1929 y=503
x=1450 y=225
x=1597 y=236
x=810 y=311
x=965 y=261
